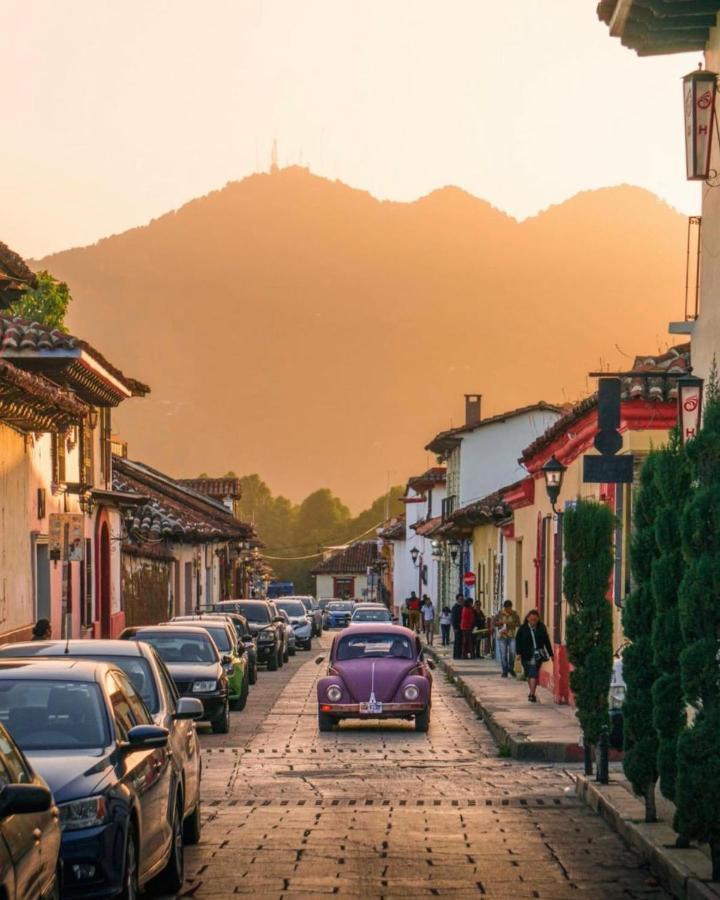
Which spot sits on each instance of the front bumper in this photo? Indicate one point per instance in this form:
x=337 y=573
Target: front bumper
x=303 y=632
x=338 y=622
x=389 y=711
x=265 y=652
x=103 y=847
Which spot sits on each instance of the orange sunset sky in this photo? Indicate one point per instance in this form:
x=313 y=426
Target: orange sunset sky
x=118 y=112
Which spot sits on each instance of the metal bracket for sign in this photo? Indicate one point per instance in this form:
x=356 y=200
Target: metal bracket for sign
x=608 y=468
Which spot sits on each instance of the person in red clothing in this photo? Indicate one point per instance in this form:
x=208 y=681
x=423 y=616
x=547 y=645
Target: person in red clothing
x=467 y=623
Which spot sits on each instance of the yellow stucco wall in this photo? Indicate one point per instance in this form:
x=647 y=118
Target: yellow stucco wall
x=16 y=597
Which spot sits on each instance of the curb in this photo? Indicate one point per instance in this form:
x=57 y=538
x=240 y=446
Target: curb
x=521 y=747
x=685 y=873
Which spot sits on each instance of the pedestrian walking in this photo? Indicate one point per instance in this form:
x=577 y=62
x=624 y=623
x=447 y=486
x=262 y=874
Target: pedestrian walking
x=455 y=616
x=507 y=623
x=413 y=605
x=42 y=630
x=479 y=631
x=428 y=619
x=445 y=622
x=467 y=624
x=534 y=647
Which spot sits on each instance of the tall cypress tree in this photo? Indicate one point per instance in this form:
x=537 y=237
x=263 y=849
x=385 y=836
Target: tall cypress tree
x=698 y=749
x=588 y=530
x=672 y=481
x=639 y=670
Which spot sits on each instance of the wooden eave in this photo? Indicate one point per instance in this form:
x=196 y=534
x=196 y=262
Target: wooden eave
x=31 y=403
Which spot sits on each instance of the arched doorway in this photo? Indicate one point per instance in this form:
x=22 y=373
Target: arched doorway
x=103 y=568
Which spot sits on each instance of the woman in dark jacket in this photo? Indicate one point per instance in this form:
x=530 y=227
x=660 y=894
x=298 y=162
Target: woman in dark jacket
x=534 y=648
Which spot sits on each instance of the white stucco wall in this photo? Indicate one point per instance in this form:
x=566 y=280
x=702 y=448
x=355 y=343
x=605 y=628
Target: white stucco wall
x=324 y=585
x=706 y=332
x=489 y=455
x=406 y=576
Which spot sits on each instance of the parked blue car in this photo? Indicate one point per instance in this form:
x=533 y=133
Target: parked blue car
x=338 y=613
x=87 y=732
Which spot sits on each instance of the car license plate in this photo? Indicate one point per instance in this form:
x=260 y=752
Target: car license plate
x=372 y=707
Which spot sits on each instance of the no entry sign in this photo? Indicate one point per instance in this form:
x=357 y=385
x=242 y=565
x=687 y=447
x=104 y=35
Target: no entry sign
x=469 y=579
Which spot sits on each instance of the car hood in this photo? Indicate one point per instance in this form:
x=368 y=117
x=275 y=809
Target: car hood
x=183 y=671
x=256 y=627
x=71 y=775
x=389 y=674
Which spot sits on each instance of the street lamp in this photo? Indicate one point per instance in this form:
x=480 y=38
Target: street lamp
x=699 y=88
x=414 y=553
x=554 y=471
x=454 y=548
x=690 y=392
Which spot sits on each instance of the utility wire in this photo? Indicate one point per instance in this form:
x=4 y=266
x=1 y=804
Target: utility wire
x=322 y=552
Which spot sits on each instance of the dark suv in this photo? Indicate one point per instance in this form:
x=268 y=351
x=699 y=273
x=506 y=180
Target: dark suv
x=269 y=634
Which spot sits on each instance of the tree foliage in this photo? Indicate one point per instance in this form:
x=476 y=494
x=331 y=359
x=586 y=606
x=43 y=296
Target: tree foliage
x=321 y=519
x=46 y=304
x=588 y=530
x=698 y=749
x=639 y=669
x=672 y=481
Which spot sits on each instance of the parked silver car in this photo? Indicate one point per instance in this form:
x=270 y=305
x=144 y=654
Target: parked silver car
x=313 y=610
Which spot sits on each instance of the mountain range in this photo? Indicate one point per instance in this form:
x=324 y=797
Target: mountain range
x=294 y=326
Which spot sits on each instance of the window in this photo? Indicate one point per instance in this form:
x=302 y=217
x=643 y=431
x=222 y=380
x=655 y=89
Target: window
x=139 y=710
x=105 y=444
x=122 y=711
x=13 y=762
x=169 y=685
x=87 y=474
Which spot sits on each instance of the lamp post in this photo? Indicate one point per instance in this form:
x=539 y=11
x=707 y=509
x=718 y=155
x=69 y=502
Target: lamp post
x=418 y=562
x=689 y=395
x=554 y=472
x=699 y=89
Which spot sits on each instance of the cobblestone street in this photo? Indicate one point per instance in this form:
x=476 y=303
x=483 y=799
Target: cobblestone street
x=380 y=811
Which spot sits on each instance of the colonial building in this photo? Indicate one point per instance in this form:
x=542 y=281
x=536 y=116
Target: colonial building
x=181 y=549
x=60 y=523
x=481 y=457
x=348 y=572
x=658 y=29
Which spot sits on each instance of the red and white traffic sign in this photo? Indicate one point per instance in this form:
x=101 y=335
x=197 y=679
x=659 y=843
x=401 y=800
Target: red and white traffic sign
x=469 y=579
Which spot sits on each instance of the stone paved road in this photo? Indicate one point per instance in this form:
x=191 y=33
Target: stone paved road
x=378 y=811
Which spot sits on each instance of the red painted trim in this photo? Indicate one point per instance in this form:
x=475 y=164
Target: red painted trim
x=117 y=623
x=635 y=415
x=523 y=494
x=508 y=531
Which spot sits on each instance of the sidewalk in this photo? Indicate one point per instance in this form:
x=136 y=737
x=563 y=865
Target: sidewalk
x=541 y=731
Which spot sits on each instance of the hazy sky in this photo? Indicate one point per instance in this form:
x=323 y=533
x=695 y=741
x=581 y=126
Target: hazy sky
x=115 y=112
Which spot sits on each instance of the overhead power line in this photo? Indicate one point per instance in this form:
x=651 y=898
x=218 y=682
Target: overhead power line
x=322 y=552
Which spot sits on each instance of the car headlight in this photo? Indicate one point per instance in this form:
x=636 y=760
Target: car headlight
x=334 y=693
x=266 y=637
x=203 y=687
x=411 y=692
x=83 y=813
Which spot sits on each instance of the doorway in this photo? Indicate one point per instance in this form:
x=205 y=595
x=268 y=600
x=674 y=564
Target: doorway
x=104 y=580
x=42 y=582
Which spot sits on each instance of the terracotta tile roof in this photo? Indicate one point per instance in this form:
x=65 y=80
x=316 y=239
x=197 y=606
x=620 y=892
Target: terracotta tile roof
x=214 y=487
x=669 y=366
x=20 y=339
x=30 y=402
x=427 y=527
x=352 y=560
x=15 y=276
x=490 y=509
x=394 y=530
x=433 y=476
x=173 y=511
x=446 y=440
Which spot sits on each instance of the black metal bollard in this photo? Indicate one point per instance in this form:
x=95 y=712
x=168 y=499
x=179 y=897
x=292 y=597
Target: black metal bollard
x=588 y=757
x=603 y=749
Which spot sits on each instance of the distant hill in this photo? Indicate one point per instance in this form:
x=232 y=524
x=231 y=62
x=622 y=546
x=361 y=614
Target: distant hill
x=293 y=326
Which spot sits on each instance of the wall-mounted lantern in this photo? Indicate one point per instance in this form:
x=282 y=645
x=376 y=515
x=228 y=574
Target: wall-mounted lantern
x=699 y=88
x=414 y=553
x=554 y=472
x=690 y=393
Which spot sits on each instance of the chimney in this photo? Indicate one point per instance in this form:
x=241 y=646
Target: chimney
x=472 y=408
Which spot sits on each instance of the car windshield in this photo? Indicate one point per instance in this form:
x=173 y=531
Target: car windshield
x=375 y=646
x=323 y=603
x=291 y=607
x=340 y=606
x=259 y=614
x=54 y=715
x=175 y=647
x=371 y=615
x=219 y=634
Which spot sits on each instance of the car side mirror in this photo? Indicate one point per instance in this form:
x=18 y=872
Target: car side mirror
x=188 y=708
x=16 y=799
x=318 y=660
x=226 y=659
x=431 y=664
x=240 y=648
x=278 y=619
x=146 y=737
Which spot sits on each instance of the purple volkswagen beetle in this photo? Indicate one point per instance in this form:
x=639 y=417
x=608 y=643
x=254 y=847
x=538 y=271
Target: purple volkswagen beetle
x=375 y=671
